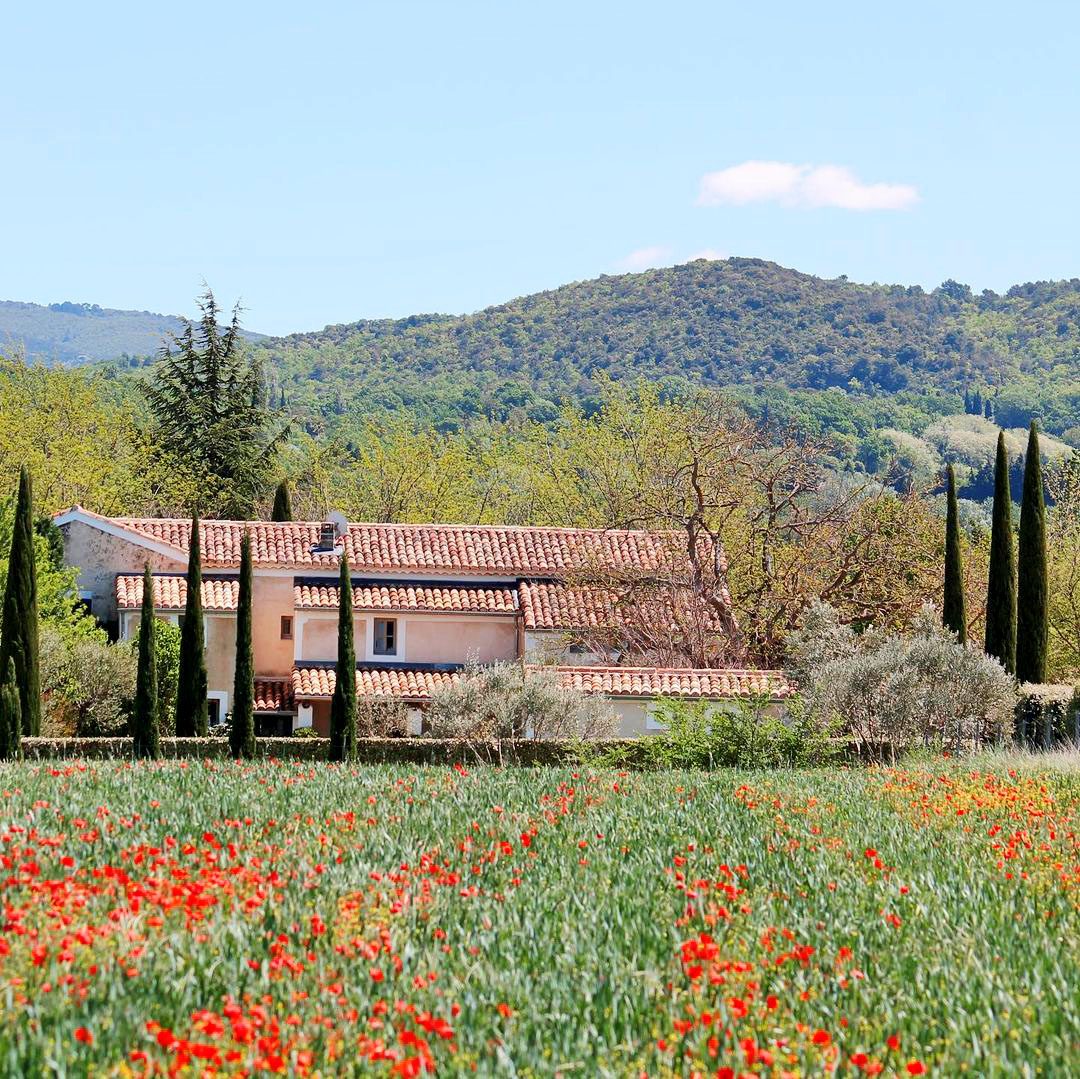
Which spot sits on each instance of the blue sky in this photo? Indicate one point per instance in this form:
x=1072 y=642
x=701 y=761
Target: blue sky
x=333 y=161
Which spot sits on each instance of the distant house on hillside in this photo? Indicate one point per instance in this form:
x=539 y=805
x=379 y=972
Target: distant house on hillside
x=427 y=601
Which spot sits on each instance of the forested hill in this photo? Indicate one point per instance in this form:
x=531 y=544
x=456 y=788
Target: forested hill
x=74 y=333
x=716 y=323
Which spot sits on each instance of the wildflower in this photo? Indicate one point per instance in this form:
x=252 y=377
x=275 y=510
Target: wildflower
x=83 y=1035
x=916 y=1067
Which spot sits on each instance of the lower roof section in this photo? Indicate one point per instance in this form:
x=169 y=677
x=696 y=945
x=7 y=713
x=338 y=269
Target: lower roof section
x=709 y=683
x=314 y=681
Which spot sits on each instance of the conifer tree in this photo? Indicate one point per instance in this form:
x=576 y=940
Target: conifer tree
x=1001 y=586
x=282 y=510
x=343 y=705
x=988 y=409
x=967 y=401
x=954 y=613
x=242 y=721
x=145 y=712
x=10 y=717
x=977 y=404
x=192 y=717
x=19 y=617
x=1032 y=615
x=210 y=413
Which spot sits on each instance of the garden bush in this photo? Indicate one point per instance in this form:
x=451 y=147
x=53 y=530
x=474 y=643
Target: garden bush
x=1045 y=716
x=498 y=703
x=893 y=692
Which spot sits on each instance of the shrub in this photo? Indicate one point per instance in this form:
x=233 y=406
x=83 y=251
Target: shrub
x=499 y=703
x=891 y=691
x=743 y=734
x=87 y=684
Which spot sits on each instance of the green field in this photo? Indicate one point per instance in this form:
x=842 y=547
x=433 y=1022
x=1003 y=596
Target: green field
x=205 y=918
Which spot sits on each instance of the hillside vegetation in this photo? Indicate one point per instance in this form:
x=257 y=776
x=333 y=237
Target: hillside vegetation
x=76 y=333
x=742 y=322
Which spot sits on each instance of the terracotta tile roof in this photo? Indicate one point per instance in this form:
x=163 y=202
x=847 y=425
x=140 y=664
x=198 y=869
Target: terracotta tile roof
x=467 y=549
x=561 y=606
x=170 y=592
x=391 y=596
x=401 y=683
x=714 y=684
x=273 y=695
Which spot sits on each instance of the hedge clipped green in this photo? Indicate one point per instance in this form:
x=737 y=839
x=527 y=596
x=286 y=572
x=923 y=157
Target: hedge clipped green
x=1046 y=715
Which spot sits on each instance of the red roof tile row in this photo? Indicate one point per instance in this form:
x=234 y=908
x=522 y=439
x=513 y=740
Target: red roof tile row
x=393 y=682
x=646 y=682
x=407 y=597
x=710 y=683
x=170 y=592
x=274 y=695
x=479 y=549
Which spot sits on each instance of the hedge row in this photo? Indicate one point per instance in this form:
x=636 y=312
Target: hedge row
x=369 y=750
x=1047 y=716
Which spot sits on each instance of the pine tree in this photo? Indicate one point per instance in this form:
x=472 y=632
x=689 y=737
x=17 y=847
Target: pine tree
x=1032 y=617
x=1001 y=586
x=242 y=722
x=343 y=705
x=10 y=717
x=192 y=717
x=19 y=618
x=282 y=503
x=954 y=613
x=144 y=714
x=210 y=413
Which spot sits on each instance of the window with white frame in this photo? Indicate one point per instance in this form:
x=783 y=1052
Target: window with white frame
x=385 y=639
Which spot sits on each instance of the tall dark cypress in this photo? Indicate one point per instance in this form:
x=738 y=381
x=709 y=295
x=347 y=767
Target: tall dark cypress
x=1001 y=586
x=192 y=716
x=144 y=714
x=953 y=610
x=282 y=510
x=242 y=722
x=10 y=716
x=19 y=618
x=1032 y=616
x=343 y=705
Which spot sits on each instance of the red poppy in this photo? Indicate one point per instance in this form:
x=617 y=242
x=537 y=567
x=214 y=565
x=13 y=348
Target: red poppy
x=84 y=1036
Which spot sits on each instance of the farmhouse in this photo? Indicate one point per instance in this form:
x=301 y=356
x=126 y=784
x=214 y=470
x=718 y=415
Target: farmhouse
x=428 y=600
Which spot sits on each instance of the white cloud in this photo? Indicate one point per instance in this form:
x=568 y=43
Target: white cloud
x=709 y=254
x=801 y=185
x=645 y=258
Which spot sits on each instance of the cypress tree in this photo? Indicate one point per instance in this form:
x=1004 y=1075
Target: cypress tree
x=967 y=401
x=144 y=715
x=954 y=613
x=343 y=705
x=242 y=722
x=1001 y=586
x=10 y=717
x=282 y=510
x=19 y=618
x=192 y=718
x=1032 y=617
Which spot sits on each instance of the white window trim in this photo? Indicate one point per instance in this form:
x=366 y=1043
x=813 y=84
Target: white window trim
x=222 y=696
x=398 y=655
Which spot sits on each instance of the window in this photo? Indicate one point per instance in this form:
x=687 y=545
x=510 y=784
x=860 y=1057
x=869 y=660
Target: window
x=385 y=637
x=213 y=711
x=286 y=627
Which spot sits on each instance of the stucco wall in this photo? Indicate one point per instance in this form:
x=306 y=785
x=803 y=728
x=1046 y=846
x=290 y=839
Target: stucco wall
x=445 y=640
x=318 y=639
x=99 y=557
x=221 y=652
x=271 y=597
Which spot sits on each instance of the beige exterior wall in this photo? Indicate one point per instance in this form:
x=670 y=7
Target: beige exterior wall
x=318 y=637
x=221 y=653
x=272 y=597
x=446 y=640
x=99 y=558
x=553 y=646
